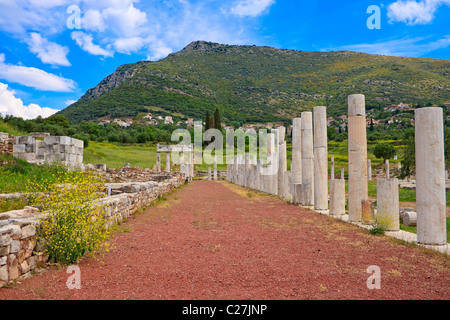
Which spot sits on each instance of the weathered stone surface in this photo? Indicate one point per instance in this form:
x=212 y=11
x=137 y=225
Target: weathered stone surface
x=388 y=204
x=357 y=157
x=307 y=159
x=337 y=197
x=410 y=218
x=28 y=231
x=296 y=163
x=430 y=176
x=368 y=211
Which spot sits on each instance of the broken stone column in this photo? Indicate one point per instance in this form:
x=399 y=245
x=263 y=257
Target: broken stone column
x=337 y=197
x=320 y=159
x=368 y=211
x=357 y=156
x=430 y=176
x=296 y=163
x=209 y=173
x=369 y=169
x=167 y=162
x=388 y=208
x=158 y=161
x=307 y=160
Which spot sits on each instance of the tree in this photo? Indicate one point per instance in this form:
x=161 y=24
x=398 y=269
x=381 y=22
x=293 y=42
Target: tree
x=384 y=150
x=217 y=121
x=207 y=120
x=408 y=154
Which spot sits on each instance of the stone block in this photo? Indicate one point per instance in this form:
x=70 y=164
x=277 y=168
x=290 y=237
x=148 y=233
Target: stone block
x=19 y=148
x=28 y=231
x=368 y=211
x=5 y=240
x=67 y=141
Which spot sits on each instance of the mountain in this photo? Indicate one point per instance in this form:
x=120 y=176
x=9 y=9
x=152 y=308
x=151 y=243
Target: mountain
x=261 y=84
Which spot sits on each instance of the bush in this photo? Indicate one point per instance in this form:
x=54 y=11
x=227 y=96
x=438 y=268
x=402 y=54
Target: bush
x=75 y=223
x=384 y=150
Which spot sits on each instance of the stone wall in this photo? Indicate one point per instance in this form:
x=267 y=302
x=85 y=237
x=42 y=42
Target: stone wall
x=19 y=255
x=68 y=151
x=6 y=143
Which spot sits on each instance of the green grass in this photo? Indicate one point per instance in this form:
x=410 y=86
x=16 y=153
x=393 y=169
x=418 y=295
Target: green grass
x=116 y=155
x=414 y=229
x=5 y=127
x=13 y=204
x=16 y=174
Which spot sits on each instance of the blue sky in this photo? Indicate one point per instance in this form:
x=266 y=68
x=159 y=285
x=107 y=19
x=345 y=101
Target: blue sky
x=52 y=51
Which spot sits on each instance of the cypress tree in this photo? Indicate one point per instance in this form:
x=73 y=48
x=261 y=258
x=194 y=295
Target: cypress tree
x=217 y=122
x=207 y=120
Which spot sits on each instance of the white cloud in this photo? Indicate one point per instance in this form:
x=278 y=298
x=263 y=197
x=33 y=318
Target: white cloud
x=401 y=47
x=85 y=42
x=413 y=12
x=10 y=105
x=69 y=102
x=251 y=8
x=34 y=78
x=49 y=52
x=93 y=21
x=128 y=45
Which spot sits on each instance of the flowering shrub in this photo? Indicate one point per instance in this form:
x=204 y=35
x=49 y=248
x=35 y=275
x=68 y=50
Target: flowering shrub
x=75 y=223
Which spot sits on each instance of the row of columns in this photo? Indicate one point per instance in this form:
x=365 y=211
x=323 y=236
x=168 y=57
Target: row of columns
x=307 y=181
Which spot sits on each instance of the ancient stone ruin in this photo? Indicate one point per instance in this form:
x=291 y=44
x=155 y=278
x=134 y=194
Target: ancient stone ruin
x=40 y=149
x=306 y=183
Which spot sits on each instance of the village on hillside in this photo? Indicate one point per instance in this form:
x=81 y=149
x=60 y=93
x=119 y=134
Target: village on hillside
x=398 y=114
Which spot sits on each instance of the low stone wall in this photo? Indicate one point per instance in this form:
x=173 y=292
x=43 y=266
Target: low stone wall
x=19 y=255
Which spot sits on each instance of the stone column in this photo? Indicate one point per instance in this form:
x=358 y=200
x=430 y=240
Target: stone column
x=388 y=204
x=430 y=176
x=386 y=165
x=337 y=197
x=296 y=164
x=369 y=169
x=320 y=159
x=271 y=174
x=332 y=168
x=307 y=160
x=209 y=173
x=167 y=161
x=215 y=168
x=158 y=161
x=357 y=156
x=282 y=161
x=342 y=174
x=282 y=169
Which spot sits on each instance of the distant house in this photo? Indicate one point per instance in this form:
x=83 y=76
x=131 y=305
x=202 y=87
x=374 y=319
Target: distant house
x=149 y=116
x=190 y=122
x=168 y=120
x=104 y=122
x=447 y=105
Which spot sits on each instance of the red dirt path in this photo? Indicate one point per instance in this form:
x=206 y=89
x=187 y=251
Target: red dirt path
x=214 y=240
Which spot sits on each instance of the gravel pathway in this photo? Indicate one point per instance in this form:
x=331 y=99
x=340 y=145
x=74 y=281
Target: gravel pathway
x=214 y=240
